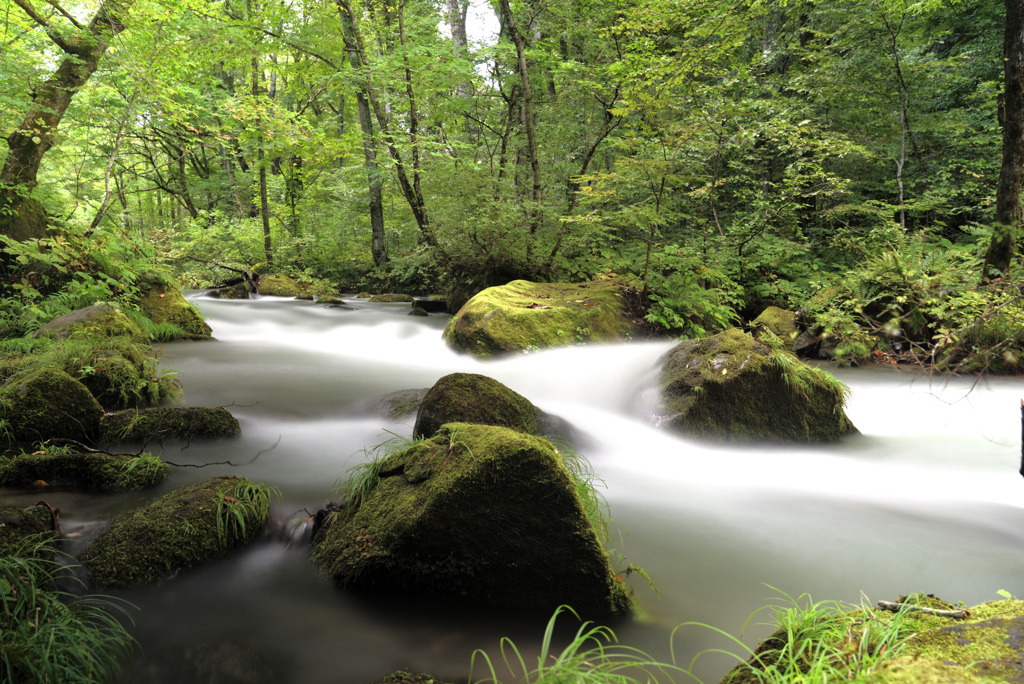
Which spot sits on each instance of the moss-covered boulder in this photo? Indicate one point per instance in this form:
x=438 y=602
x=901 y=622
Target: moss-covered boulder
x=99 y=320
x=181 y=530
x=780 y=322
x=477 y=512
x=391 y=298
x=474 y=398
x=236 y=291
x=523 y=316
x=19 y=526
x=277 y=285
x=87 y=471
x=168 y=422
x=418 y=311
x=162 y=301
x=44 y=404
x=734 y=388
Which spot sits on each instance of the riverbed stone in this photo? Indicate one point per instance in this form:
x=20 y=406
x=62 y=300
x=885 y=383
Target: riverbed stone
x=524 y=316
x=88 y=471
x=44 y=404
x=163 y=302
x=400 y=404
x=732 y=387
x=480 y=513
x=178 y=531
x=168 y=422
x=474 y=398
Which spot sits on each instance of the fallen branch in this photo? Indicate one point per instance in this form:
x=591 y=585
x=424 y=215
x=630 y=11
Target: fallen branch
x=227 y=463
x=911 y=608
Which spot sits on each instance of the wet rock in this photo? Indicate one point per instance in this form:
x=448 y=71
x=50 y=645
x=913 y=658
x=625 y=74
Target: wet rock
x=20 y=525
x=432 y=304
x=474 y=398
x=167 y=422
x=418 y=311
x=163 y=302
x=276 y=285
x=524 y=316
x=86 y=471
x=189 y=526
x=731 y=387
x=400 y=404
x=403 y=677
x=236 y=291
x=385 y=298
x=480 y=513
x=44 y=404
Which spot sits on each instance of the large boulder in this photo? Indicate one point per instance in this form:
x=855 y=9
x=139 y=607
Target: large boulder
x=277 y=285
x=390 y=298
x=732 y=387
x=523 y=316
x=181 y=530
x=45 y=404
x=779 y=322
x=473 y=398
x=163 y=302
x=100 y=320
x=477 y=512
x=168 y=422
x=88 y=471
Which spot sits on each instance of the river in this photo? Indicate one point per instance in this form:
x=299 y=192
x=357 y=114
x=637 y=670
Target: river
x=927 y=498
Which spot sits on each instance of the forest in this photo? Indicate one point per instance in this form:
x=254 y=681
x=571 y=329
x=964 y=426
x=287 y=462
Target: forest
x=842 y=159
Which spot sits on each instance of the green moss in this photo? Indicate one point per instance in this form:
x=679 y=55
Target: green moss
x=386 y=298
x=780 y=322
x=42 y=404
x=18 y=524
x=732 y=387
x=165 y=422
x=178 y=531
x=478 y=512
x=523 y=316
x=90 y=471
x=276 y=285
x=403 y=677
x=400 y=404
x=473 y=398
x=98 y=320
x=163 y=303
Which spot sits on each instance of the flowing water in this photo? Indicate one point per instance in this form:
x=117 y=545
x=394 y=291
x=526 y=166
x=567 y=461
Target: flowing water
x=927 y=499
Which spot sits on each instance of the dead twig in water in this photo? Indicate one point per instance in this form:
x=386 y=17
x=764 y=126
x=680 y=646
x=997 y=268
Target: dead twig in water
x=909 y=607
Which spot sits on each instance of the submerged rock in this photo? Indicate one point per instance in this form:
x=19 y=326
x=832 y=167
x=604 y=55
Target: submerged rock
x=473 y=398
x=400 y=404
x=89 y=471
x=477 y=512
x=523 y=316
x=163 y=302
x=167 y=422
x=178 y=531
x=45 y=404
x=731 y=387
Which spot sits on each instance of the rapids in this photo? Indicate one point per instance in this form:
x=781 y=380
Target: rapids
x=927 y=499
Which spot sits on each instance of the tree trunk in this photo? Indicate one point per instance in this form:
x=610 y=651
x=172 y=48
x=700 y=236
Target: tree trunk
x=455 y=13
x=1002 y=248
x=21 y=217
x=268 y=251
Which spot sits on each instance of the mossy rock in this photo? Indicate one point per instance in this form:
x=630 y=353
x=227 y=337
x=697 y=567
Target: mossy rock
x=163 y=302
x=277 y=285
x=731 y=387
x=45 y=404
x=87 y=471
x=391 y=298
x=181 y=530
x=22 y=218
x=403 y=677
x=19 y=526
x=523 y=316
x=400 y=404
x=330 y=300
x=418 y=311
x=780 y=322
x=100 y=320
x=237 y=291
x=474 y=398
x=168 y=422
x=480 y=513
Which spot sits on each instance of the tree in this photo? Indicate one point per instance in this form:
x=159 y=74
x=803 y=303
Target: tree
x=1002 y=247
x=22 y=217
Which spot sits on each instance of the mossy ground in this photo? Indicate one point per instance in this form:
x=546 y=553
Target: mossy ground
x=178 y=531
x=523 y=316
x=89 y=471
x=167 y=422
x=474 y=398
x=730 y=387
x=477 y=512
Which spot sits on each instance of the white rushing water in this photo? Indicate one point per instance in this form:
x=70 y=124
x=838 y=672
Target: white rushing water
x=927 y=499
